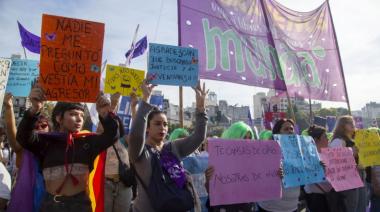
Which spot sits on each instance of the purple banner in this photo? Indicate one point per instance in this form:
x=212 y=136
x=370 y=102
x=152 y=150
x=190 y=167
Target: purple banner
x=248 y=43
x=359 y=122
x=29 y=40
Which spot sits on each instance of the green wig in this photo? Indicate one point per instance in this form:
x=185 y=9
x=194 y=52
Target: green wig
x=265 y=135
x=178 y=133
x=237 y=130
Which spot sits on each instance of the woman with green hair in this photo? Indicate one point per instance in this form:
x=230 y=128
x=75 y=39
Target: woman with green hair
x=178 y=133
x=266 y=135
x=238 y=130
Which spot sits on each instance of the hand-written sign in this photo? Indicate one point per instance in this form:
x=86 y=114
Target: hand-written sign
x=244 y=171
x=123 y=80
x=368 y=142
x=22 y=76
x=172 y=65
x=5 y=64
x=341 y=171
x=301 y=162
x=71 y=57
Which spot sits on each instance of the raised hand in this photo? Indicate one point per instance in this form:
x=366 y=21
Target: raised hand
x=115 y=100
x=103 y=105
x=37 y=98
x=147 y=90
x=8 y=100
x=200 y=96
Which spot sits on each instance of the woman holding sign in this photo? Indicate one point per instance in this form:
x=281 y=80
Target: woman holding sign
x=67 y=155
x=354 y=199
x=316 y=193
x=154 y=159
x=289 y=200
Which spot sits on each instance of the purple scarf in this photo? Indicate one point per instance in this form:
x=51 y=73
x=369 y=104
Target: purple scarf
x=173 y=167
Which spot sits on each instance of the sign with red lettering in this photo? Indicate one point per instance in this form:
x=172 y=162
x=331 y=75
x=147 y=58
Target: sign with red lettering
x=341 y=169
x=70 y=58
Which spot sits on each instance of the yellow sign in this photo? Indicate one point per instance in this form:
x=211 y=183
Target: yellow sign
x=368 y=143
x=123 y=80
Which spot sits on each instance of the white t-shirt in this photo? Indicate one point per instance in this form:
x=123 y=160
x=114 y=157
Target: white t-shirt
x=287 y=203
x=337 y=142
x=5 y=183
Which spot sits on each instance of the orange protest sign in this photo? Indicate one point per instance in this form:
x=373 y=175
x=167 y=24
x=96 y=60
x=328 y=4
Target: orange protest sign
x=70 y=58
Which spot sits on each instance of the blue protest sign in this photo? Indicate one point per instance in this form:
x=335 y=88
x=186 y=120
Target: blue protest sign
x=301 y=163
x=197 y=164
x=172 y=65
x=157 y=101
x=124 y=112
x=22 y=76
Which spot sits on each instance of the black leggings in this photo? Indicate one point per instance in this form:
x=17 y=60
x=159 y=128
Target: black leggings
x=317 y=202
x=78 y=202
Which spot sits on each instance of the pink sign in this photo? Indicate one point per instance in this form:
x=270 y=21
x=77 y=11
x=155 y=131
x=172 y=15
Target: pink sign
x=341 y=169
x=245 y=171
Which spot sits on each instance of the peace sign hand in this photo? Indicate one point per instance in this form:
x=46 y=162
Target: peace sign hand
x=200 y=96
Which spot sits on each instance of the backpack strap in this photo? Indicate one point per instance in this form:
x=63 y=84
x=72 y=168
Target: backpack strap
x=117 y=153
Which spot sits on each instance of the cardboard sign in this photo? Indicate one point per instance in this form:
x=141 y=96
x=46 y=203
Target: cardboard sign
x=172 y=65
x=368 y=142
x=22 y=76
x=123 y=80
x=5 y=64
x=301 y=162
x=71 y=57
x=341 y=170
x=245 y=171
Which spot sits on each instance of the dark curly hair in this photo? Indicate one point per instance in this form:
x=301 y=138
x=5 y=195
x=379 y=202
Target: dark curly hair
x=316 y=131
x=277 y=127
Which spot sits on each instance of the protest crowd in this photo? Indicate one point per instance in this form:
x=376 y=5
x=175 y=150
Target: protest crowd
x=51 y=161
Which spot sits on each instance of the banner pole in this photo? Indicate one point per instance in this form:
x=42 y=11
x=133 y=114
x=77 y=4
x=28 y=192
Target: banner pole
x=25 y=53
x=180 y=87
x=340 y=59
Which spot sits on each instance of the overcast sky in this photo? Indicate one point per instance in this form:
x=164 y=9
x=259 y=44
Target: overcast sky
x=355 y=22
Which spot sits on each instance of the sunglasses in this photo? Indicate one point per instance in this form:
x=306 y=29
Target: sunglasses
x=40 y=126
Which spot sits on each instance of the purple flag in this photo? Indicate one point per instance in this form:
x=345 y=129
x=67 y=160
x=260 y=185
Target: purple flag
x=320 y=121
x=250 y=121
x=331 y=120
x=22 y=195
x=29 y=40
x=266 y=45
x=138 y=49
x=359 y=122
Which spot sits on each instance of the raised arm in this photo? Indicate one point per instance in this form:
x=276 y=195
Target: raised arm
x=109 y=123
x=10 y=123
x=185 y=146
x=138 y=129
x=109 y=135
x=26 y=136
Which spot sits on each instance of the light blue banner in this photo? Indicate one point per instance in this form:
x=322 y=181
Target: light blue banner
x=22 y=75
x=172 y=65
x=301 y=163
